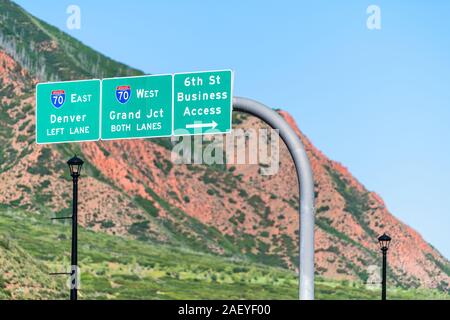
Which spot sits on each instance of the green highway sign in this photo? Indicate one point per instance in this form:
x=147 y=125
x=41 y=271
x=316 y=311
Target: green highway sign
x=68 y=111
x=202 y=102
x=134 y=107
x=137 y=107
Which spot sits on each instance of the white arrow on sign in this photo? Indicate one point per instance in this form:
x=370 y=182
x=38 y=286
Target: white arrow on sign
x=212 y=125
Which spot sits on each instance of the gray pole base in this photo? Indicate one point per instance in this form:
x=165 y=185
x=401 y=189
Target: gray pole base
x=306 y=185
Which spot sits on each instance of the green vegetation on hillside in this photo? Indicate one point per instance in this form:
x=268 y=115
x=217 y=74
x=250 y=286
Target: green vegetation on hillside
x=356 y=203
x=49 y=53
x=117 y=268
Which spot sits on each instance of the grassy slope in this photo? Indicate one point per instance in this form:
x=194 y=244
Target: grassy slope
x=118 y=268
x=24 y=277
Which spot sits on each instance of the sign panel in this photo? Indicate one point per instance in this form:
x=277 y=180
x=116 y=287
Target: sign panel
x=202 y=102
x=134 y=107
x=68 y=111
x=137 y=107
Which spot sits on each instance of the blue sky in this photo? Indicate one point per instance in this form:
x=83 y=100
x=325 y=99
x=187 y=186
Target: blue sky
x=376 y=100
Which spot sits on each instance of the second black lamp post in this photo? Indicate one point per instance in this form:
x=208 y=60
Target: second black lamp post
x=384 y=242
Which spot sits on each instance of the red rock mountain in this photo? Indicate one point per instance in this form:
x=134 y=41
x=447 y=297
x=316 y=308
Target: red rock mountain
x=132 y=187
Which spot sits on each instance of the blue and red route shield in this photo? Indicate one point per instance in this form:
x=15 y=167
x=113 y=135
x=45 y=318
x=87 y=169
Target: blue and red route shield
x=123 y=93
x=58 y=98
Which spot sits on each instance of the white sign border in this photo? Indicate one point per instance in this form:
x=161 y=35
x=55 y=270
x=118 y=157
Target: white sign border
x=133 y=77
x=231 y=105
x=69 y=141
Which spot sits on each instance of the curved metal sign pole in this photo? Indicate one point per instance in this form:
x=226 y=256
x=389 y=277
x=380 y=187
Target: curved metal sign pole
x=306 y=185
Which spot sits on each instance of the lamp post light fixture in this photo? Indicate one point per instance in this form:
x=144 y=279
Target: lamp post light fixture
x=384 y=242
x=75 y=165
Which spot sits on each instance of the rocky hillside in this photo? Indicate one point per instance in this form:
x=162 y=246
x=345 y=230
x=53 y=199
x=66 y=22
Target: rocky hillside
x=132 y=188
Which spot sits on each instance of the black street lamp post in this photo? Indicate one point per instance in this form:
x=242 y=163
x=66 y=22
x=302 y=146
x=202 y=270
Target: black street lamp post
x=75 y=165
x=384 y=242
